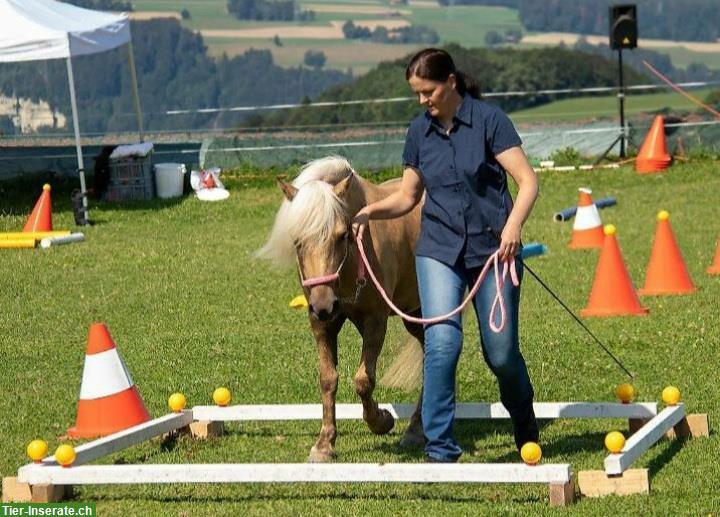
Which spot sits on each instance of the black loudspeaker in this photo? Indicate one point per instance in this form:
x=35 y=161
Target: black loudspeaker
x=623 y=26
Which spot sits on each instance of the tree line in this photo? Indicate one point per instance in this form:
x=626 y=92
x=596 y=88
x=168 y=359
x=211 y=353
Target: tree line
x=271 y=10
x=496 y=70
x=412 y=34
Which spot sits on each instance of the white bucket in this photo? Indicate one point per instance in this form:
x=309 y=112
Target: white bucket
x=169 y=178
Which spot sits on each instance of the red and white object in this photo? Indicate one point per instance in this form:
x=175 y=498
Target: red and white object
x=109 y=400
x=207 y=185
x=587 y=228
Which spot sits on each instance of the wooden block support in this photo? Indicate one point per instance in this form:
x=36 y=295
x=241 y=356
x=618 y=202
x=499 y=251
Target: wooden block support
x=595 y=483
x=634 y=424
x=204 y=429
x=14 y=491
x=692 y=425
x=562 y=494
x=50 y=493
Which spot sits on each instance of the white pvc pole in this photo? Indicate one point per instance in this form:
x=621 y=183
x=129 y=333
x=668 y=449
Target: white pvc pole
x=76 y=127
x=136 y=96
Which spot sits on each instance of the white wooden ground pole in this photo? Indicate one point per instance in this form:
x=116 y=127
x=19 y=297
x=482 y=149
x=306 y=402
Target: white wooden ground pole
x=123 y=439
x=558 y=477
x=643 y=439
x=543 y=410
x=298 y=473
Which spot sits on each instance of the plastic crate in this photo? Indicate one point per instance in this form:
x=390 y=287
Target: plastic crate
x=131 y=178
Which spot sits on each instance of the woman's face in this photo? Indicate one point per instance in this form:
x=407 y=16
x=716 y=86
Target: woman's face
x=437 y=97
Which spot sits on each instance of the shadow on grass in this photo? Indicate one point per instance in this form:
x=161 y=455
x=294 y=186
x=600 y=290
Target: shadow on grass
x=662 y=459
x=280 y=494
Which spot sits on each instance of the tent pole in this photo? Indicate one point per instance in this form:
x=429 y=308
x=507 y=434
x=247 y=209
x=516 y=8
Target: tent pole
x=76 y=127
x=136 y=96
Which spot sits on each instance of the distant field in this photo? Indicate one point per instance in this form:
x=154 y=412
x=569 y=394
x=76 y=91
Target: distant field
x=607 y=106
x=466 y=25
x=359 y=56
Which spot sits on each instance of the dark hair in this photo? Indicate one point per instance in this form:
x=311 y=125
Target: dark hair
x=435 y=64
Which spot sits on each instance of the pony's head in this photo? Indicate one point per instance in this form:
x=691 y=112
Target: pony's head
x=312 y=229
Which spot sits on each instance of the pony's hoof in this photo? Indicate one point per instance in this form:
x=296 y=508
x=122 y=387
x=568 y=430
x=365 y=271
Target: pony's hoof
x=318 y=456
x=412 y=439
x=384 y=423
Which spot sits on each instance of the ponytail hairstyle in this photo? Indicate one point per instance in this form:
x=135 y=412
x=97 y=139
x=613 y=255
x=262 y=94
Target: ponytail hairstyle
x=434 y=64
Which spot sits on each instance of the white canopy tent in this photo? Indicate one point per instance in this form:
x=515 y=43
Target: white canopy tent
x=47 y=29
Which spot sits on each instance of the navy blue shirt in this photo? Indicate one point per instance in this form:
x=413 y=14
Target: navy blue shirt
x=467 y=201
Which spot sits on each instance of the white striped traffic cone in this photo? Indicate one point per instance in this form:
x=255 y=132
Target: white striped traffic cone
x=109 y=401
x=587 y=228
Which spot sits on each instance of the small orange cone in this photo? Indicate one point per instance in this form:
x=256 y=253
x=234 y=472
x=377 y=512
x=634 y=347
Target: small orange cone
x=612 y=292
x=109 y=401
x=715 y=268
x=666 y=271
x=40 y=219
x=587 y=228
x=653 y=155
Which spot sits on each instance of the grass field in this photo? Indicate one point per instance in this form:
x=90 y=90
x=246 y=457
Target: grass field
x=585 y=108
x=190 y=310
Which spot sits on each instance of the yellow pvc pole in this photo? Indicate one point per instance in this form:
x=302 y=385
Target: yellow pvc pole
x=17 y=243
x=33 y=235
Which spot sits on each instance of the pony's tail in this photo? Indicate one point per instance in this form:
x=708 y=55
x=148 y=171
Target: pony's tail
x=406 y=370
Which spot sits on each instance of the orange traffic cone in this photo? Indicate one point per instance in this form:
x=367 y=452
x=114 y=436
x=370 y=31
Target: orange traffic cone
x=40 y=219
x=612 y=292
x=715 y=268
x=587 y=228
x=109 y=401
x=653 y=155
x=666 y=271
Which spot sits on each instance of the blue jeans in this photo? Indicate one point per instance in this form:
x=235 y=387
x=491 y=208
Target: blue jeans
x=442 y=288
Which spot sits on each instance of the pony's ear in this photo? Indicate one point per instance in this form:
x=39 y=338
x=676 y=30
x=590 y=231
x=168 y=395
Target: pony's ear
x=341 y=188
x=289 y=191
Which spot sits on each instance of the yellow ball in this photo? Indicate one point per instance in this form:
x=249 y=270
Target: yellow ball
x=65 y=455
x=46 y=186
x=531 y=453
x=37 y=450
x=610 y=229
x=671 y=395
x=222 y=396
x=663 y=215
x=614 y=441
x=177 y=402
x=625 y=392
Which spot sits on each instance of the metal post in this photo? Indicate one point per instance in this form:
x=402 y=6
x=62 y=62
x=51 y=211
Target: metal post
x=76 y=127
x=621 y=98
x=136 y=96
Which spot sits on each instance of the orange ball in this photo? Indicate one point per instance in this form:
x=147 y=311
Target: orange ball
x=614 y=441
x=37 y=450
x=671 y=395
x=65 y=455
x=177 y=402
x=222 y=396
x=625 y=392
x=531 y=453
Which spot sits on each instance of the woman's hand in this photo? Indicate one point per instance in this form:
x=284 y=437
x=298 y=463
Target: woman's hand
x=510 y=240
x=359 y=222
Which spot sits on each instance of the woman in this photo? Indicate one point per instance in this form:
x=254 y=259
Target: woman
x=459 y=152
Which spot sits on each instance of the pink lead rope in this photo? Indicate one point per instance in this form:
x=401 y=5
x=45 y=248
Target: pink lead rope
x=499 y=302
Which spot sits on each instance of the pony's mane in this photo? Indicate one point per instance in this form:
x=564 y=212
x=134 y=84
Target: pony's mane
x=313 y=213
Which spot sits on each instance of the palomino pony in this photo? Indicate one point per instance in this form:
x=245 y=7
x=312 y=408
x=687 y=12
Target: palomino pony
x=313 y=230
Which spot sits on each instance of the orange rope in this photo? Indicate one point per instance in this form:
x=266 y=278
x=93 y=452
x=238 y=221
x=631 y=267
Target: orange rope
x=681 y=91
